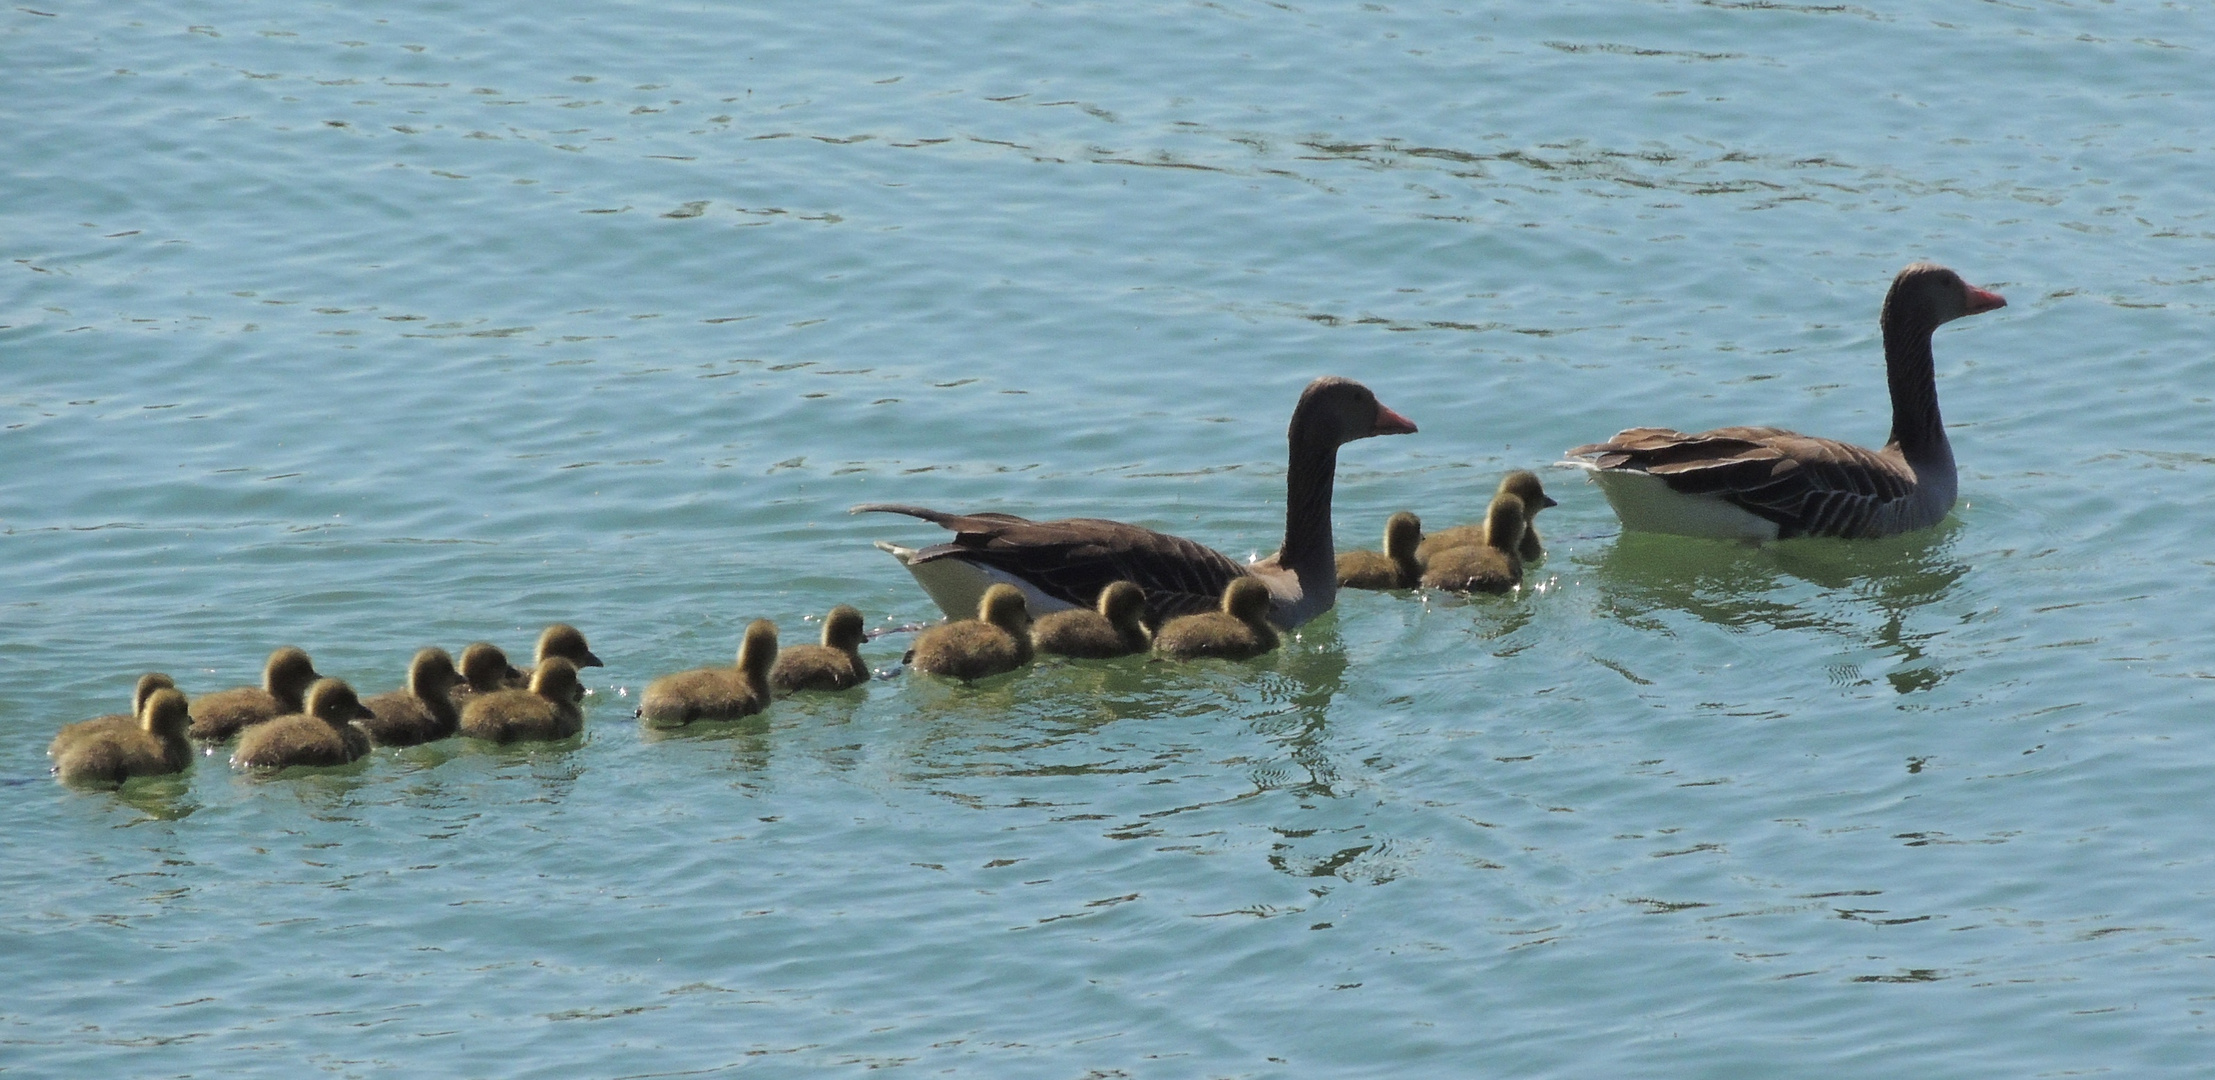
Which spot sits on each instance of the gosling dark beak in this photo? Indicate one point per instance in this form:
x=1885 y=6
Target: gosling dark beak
x=590 y=660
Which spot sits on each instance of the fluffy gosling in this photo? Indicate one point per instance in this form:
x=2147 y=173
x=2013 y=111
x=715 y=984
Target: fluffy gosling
x=545 y=712
x=285 y=679
x=1394 y=567
x=836 y=664
x=1524 y=485
x=323 y=735
x=1493 y=566
x=422 y=712
x=1240 y=631
x=154 y=746
x=1115 y=629
x=716 y=693
x=997 y=640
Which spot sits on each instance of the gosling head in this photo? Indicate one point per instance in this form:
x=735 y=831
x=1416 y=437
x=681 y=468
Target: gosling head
x=485 y=666
x=431 y=672
x=564 y=640
x=1122 y=604
x=843 y=629
x=1003 y=606
x=1504 y=522
x=555 y=679
x=757 y=651
x=1402 y=533
x=334 y=703
x=165 y=714
x=288 y=674
x=1524 y=485
x=147 y=684
x=1246 y=599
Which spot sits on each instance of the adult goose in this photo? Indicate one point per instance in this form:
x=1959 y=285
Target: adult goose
x=1064 y=564
x=1763 y=483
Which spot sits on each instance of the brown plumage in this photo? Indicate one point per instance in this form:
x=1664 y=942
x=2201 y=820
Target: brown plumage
x=998 y=640
x=1394 y=567
x=285 y=679
x=716 y=693
x=1239 y=631
x=1768 y=483
x=836 y=664
x=545 y=712
x=1065 y=564
x=1524 y=485
x=1492 y=566
x=422 y=712
x=567 y=642
x=485 y=670
x=324 y=735
x=1114 y=629
x=111 y=754
x=71 y=734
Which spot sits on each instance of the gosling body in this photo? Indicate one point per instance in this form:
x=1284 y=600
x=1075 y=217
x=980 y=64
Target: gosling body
x=998 y=640
x=1239 y=631
x=1494 y=566
x=285 y=679
x=726 y=693
x=155 y=745
x=835 y=664
x=545 y=712
x=1394 y=567
x=322 y=736
x=72 y=734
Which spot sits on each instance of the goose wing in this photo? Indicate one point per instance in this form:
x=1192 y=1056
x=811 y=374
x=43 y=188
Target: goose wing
x=1808 y=486
x=1074 y=558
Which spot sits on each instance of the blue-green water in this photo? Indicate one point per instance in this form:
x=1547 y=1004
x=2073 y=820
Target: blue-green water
x=424 y=323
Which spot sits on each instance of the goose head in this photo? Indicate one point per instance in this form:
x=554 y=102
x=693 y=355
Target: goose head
x=1334 y=411
x=287 y=676
x=485 y=667
x=165 y=714
x=1927 y=296
x=432 y=673
x=147 y=684
x=1504 y=522
x=843 y=629
x=757 y=651
x=334 y=703
x=1003 y=606
x=555 y=679
x=564 y=640
x=1524 y=485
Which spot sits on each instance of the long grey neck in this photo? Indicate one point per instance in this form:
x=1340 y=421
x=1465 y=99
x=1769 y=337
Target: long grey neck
x=1917 y=429
x=1307 y=550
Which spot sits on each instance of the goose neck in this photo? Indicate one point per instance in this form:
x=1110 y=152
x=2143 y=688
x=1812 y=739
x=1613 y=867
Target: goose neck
x=1917 y=428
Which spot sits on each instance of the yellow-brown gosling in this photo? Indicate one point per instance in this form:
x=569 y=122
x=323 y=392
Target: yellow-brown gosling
x=154 y=746
x=285 y=679
x=1115 y=629
x=567 y=642
x=323 y=735
x=716 y=693
x=1493 y=566
x=1394 y=567
x=836 y=664
x=546 y=711
x=485 y=670
x=424 y=711
x=1240 y=631
x=71 y=734
x=997 y=640
x=1524 y=485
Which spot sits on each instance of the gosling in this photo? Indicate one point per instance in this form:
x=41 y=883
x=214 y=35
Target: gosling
x=716 y=693
x=836 y=664
x=324 y=735
x=1491 y=567
x=285 y=678
x=1524 y=485
x=998 y=640
x=1394 y=567
x=567 y=642
x=485 y=670
x=1113 y=630
x=154 y=746
x=1240 y=631
x=422 y=712
x=545 y=712
x=73 y=734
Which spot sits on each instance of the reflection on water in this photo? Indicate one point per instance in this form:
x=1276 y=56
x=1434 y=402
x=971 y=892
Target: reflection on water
x=1642 y=576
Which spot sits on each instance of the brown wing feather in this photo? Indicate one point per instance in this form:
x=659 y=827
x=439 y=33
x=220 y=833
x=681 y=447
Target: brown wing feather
x=1808 y=486
x=1072 y=559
